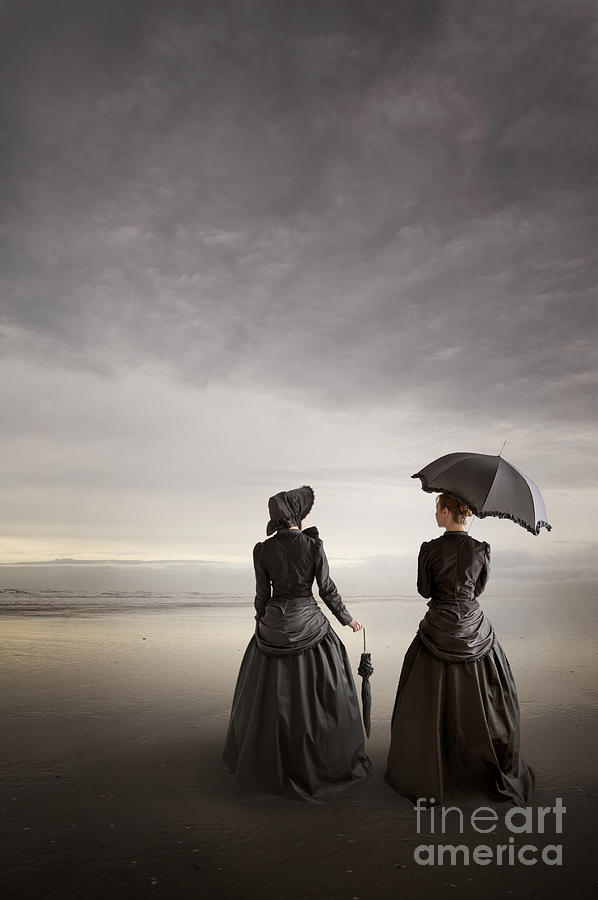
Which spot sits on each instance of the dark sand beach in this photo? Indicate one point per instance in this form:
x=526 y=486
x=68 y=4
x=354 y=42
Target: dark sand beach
x=114 y=716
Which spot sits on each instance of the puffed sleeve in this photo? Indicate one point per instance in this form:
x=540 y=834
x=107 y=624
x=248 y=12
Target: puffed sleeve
x=423 y=571
x=263 y=590
x=327 y=587
x=485 y=573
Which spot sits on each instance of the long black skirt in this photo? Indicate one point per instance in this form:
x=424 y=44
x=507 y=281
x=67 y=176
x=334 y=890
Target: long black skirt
x=295 y=725
x=455 y=730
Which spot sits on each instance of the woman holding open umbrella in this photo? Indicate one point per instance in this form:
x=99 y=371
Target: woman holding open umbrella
x=295 y=725
x=455 y=723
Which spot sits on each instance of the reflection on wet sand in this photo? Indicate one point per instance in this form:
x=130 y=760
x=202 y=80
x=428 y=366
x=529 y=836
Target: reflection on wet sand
x=113 y=726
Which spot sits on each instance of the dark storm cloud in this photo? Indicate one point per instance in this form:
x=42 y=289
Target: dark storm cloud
x=357 y=200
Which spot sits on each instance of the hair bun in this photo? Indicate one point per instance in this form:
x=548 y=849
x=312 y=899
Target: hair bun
x=459 y=511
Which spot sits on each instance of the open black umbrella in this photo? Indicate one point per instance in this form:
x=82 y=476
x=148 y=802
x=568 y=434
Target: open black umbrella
x=489 y=485
x=365 y=670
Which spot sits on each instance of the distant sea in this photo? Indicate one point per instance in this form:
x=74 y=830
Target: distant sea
x=51 y=601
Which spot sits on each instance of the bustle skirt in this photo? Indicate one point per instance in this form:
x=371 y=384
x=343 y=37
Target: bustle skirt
x=455 y=729
x=295 y=725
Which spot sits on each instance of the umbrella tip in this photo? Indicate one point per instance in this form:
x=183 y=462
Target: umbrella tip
x=503 y=447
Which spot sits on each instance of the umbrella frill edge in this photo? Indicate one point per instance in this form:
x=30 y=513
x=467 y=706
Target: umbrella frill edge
x=516 y=519
x=484 y=514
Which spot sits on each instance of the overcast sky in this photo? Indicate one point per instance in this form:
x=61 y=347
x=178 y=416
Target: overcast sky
x=251 y=245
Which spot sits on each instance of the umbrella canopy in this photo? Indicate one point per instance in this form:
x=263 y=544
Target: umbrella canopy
x=365 y=670
x=489 y=485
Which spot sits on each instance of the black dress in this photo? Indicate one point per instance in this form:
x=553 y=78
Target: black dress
x=455 y=723
x=295 y=725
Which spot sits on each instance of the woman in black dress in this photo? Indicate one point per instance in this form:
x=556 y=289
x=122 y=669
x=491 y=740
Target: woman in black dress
x=455 y=723
x=295 y=726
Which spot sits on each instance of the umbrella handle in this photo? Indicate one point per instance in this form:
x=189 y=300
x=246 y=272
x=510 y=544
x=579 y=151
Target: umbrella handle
x=364 y=640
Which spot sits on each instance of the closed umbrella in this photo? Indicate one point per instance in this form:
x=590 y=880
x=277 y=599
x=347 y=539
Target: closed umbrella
x=489 y=485
x=365 y=670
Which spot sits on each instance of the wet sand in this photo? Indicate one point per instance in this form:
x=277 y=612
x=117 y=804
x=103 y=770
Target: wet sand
x=113 y=725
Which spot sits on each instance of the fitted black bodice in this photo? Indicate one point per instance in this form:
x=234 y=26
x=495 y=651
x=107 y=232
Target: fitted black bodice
x=454 y=567
x=285 y=567
x=453 y=571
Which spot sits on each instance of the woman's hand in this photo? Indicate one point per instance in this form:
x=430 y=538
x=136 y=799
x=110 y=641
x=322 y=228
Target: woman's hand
x=355 y=625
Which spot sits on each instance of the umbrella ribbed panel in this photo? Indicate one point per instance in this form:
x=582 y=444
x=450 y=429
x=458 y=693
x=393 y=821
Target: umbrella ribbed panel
x=516 y=495
x=492 y=483
x=537 y=497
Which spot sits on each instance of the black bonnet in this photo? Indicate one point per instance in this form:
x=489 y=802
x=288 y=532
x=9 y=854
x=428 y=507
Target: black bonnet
x=289 y=508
